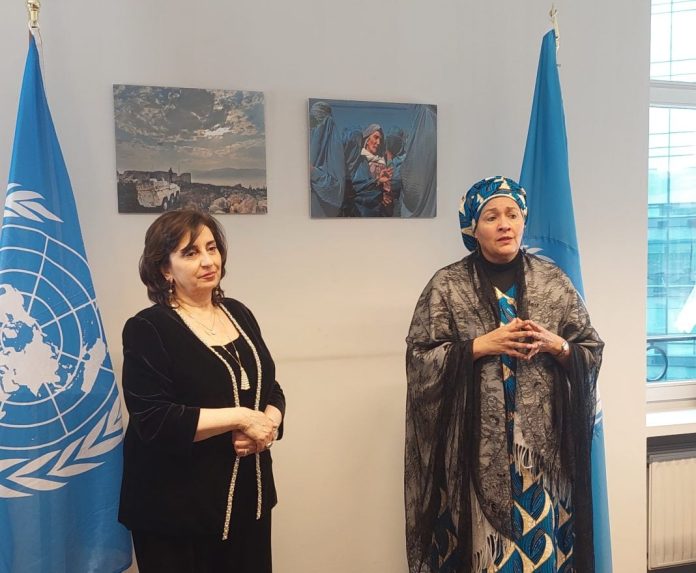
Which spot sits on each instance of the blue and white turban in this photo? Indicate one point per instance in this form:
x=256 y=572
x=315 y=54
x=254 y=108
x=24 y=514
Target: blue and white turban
x=482 y=192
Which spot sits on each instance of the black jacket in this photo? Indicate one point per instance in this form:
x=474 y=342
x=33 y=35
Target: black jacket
x=172 y=484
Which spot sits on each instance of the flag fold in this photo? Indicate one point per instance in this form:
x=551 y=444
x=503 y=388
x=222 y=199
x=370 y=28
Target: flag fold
x=550 y=233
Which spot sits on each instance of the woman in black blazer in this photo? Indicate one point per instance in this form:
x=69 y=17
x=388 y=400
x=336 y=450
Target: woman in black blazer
x=205 y=408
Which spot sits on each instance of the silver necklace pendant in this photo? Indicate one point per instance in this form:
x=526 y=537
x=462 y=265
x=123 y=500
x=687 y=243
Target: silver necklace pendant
x=244 y=382
x=243 y=376
x=209 y=330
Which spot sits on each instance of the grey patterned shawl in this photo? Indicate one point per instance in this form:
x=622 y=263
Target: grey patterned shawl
x=456 y=449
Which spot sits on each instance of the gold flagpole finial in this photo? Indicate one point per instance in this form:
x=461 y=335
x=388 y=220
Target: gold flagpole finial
x=33 y=8
x=553 y=14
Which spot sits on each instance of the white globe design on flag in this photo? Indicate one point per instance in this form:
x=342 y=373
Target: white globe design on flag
x=59 y=410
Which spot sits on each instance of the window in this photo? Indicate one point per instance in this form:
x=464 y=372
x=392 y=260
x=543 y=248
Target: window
x=671 y=303
x=672 y=45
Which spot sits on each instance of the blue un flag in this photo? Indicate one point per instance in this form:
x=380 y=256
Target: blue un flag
x=60 y=417
x=550 y=233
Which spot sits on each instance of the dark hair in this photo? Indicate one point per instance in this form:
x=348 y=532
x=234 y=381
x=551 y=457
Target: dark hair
x=163 y=237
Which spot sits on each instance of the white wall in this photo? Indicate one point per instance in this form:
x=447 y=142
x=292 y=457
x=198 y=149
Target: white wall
x=335 y=297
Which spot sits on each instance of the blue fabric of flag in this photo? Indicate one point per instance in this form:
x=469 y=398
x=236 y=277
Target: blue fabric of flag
x=60 y=415
x=550 y=233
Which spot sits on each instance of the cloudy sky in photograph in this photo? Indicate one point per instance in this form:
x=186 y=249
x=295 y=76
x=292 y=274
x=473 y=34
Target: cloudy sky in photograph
x=205 y=132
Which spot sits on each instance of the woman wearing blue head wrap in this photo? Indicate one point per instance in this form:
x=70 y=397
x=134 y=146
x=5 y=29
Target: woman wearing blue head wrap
x=502 y=364
x=370 y=178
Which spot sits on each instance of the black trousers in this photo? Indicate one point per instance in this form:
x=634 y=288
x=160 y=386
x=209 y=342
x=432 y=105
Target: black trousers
x=247 y=550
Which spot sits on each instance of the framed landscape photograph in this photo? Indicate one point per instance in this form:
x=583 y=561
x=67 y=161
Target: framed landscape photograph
x=372 y=159
x=190 y=147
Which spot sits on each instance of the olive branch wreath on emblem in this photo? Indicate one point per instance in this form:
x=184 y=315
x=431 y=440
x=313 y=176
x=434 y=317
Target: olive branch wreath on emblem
x=537 y=252
x=23 y=203
x=47 y=473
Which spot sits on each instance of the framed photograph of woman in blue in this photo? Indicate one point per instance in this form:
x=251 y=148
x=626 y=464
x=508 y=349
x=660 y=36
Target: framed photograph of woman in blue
x=370 y=159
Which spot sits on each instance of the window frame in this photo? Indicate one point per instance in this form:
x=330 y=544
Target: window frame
x=671 y=94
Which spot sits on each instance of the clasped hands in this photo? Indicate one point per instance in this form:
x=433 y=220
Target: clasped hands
x=259 y=433
x=521 y=339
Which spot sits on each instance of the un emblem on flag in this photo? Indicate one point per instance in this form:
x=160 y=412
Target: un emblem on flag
x=59 y=407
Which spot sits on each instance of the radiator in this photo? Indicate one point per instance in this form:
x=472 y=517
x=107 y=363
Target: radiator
x=671 y=509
